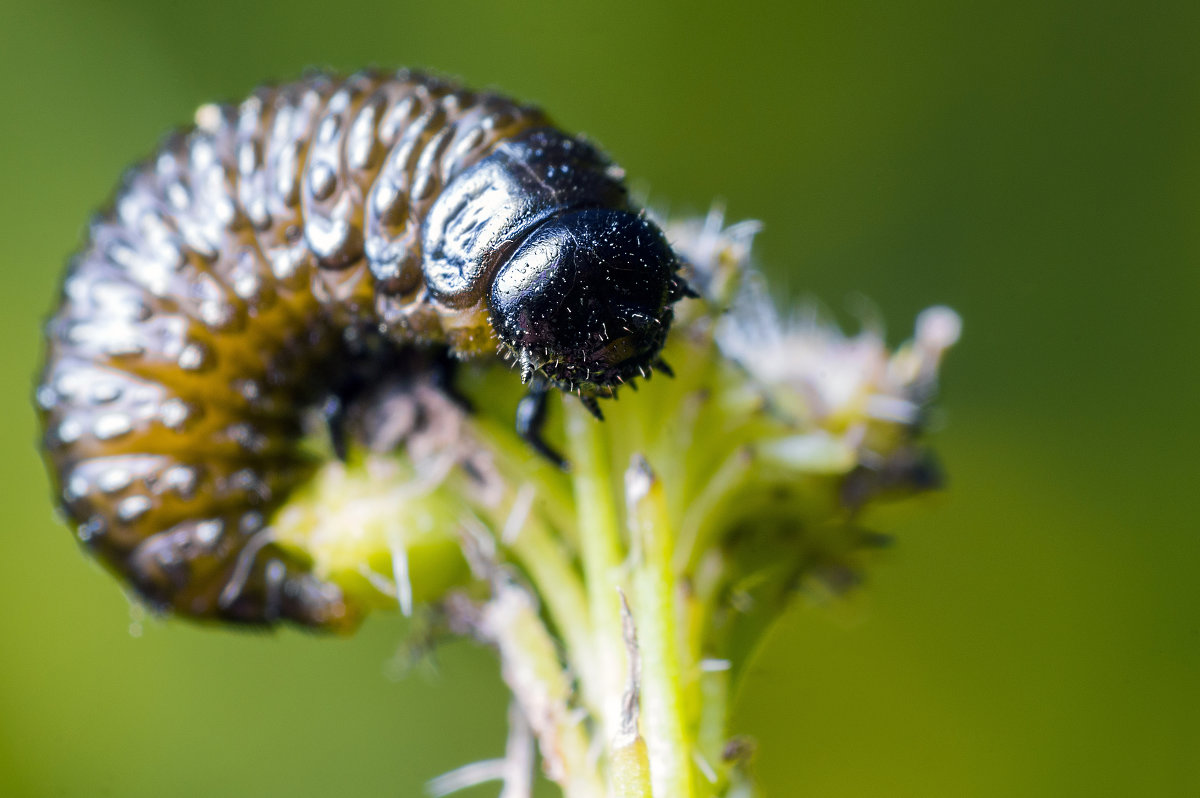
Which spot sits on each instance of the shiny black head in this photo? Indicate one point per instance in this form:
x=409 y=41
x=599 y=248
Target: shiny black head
x=585 y=301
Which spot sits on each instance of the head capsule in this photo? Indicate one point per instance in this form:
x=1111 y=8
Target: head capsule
x=585 y=301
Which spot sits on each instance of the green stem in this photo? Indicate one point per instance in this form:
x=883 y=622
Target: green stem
x=659 y=636
x=516 y=456
x=701 y=515
x=600 y=549
x=560 y=588
x=711 y=731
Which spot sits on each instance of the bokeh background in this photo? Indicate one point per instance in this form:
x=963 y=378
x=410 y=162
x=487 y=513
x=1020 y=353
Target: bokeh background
x=1033 y=163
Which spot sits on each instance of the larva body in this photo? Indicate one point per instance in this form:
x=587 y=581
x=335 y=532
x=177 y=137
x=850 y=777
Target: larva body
x=239 y=263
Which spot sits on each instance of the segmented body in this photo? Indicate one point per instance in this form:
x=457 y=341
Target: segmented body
x=230 y=267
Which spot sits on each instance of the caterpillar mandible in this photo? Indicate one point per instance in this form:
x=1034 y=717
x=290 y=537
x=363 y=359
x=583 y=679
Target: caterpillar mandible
x=239 y=263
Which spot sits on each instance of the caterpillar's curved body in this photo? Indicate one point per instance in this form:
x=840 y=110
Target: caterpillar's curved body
x=245 y=257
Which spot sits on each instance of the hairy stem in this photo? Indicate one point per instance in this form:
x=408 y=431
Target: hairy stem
x=531 y=668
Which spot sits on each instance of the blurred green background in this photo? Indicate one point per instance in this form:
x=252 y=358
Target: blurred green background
x=1036 y=165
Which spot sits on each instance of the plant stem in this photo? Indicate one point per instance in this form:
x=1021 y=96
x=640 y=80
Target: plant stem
x=532 y=670
x=600 y=550
x=659 y=637
x=561 y=590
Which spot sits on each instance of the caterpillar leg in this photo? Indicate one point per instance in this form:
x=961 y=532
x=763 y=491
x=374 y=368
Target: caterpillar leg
x=443 y=371
x=387 y=394
x=531 y=419
x=592 y=405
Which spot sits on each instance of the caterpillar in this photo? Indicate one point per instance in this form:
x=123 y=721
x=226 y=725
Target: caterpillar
x=254 y=253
